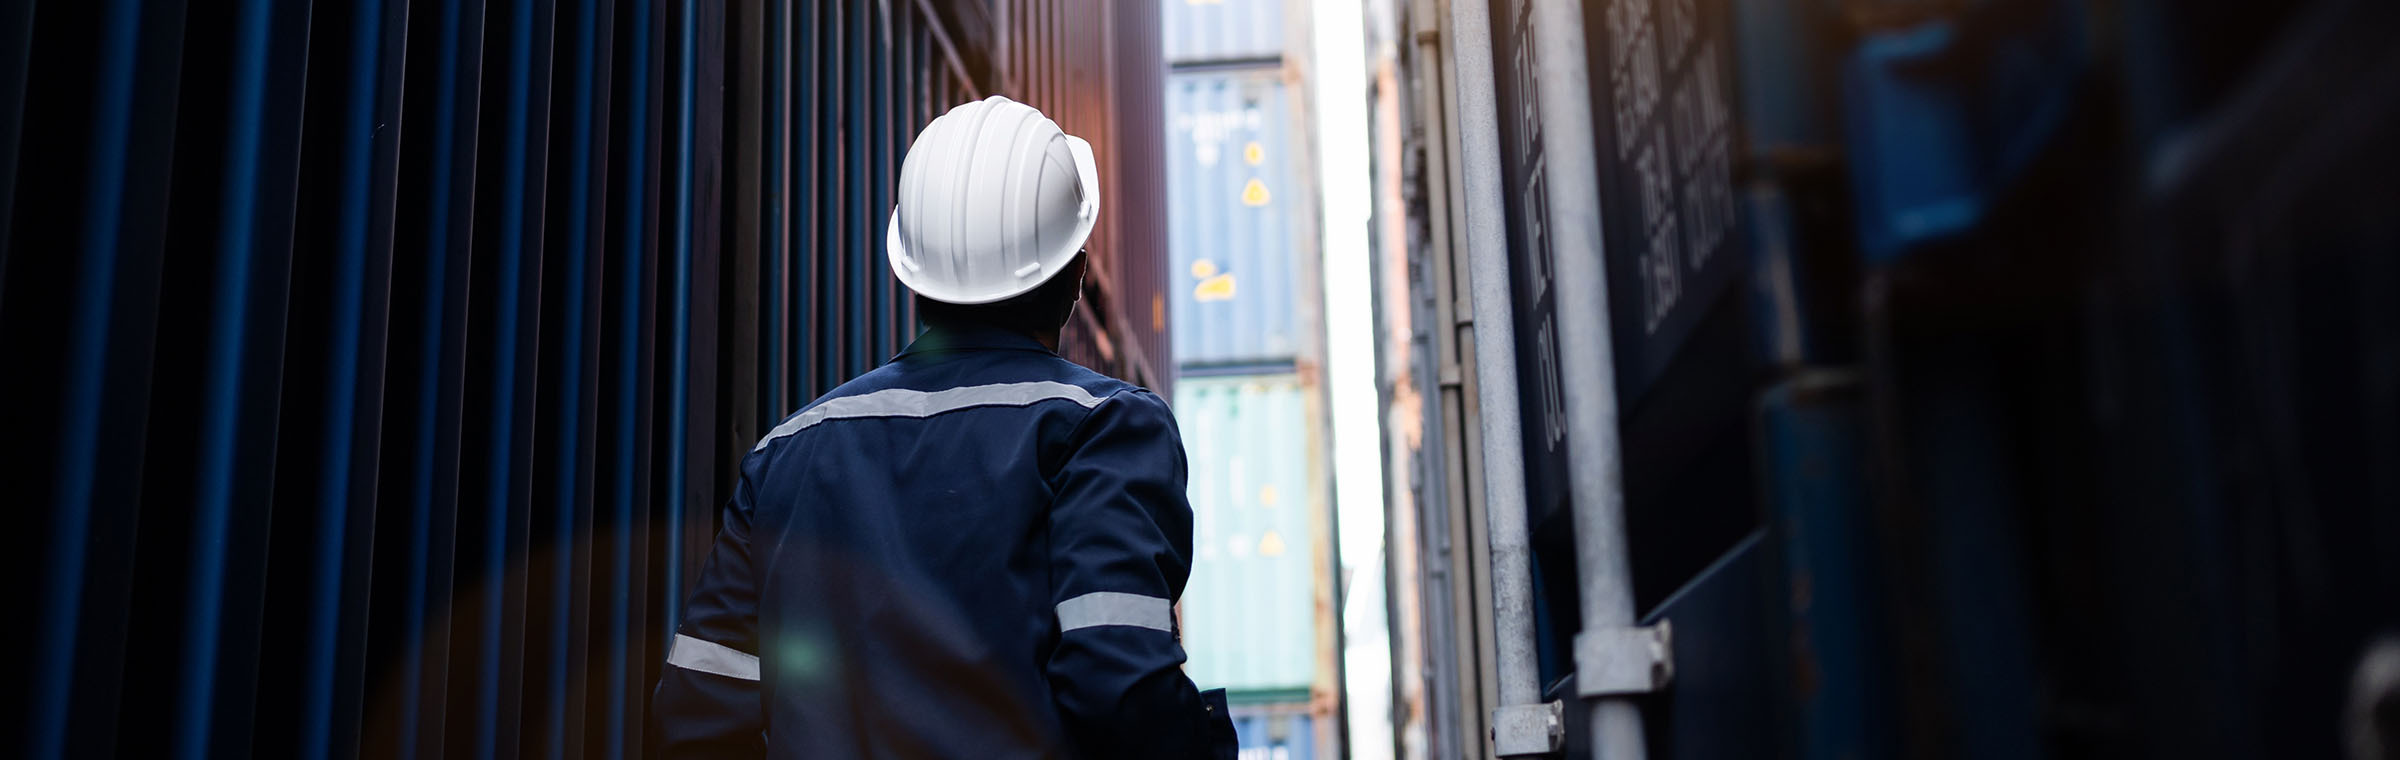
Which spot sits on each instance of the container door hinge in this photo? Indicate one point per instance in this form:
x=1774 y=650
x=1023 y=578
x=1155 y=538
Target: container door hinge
x=1529 y=730
x=1624 y=661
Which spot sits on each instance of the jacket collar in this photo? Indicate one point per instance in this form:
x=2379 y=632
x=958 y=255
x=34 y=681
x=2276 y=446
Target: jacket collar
x=970 y=338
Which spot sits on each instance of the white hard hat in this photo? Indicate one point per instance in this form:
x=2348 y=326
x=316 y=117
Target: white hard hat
x=994 y=199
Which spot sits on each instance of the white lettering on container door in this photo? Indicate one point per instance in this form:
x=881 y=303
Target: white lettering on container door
x=1677 y=151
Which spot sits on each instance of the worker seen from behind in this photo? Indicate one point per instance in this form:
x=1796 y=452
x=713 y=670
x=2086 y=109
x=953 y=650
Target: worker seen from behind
x=975 y=550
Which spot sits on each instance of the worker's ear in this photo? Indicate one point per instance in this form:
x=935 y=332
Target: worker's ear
x=1075 y=267
x=1078 y=267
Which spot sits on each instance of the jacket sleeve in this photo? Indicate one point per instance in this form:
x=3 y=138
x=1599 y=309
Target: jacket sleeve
x=1120 y=551
x=708 y=700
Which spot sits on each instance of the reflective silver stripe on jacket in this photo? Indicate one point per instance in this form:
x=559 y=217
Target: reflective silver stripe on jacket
x=711 y=657
x=1116 y=608
x=901 y=402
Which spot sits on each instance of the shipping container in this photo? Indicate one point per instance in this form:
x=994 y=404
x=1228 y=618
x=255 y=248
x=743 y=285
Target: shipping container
x=1259 y=614
x=1276 y=732
x=380 y=366
x=1238 y=252
x=1977 y=380
x=1453 y=664
x=1137 y=208
x=1251 y=620
x=1225 y=32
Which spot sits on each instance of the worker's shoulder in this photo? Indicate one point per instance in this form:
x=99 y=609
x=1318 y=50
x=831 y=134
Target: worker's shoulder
x=1100 y=386
x=859 y=397
x=1121 y=406
x=1027 y=379
x=1114 y=396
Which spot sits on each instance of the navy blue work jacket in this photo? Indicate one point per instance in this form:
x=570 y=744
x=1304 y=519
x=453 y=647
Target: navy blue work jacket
x=971 y=552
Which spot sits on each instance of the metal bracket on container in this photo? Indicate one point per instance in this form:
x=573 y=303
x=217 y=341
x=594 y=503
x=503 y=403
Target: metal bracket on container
x=1529 y=730
x=1622 y=661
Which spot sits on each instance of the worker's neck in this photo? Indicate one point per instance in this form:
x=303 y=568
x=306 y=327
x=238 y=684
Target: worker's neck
x=1048 y=338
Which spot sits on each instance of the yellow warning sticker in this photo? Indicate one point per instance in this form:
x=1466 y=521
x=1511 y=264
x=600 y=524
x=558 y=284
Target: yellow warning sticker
x=1254 y=153
x=1255 y=193
x=1218 y=288
x=1204 y=269
x=1270 y=545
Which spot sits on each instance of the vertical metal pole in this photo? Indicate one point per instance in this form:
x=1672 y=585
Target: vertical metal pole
x=1587 y=360
x=1495 y=362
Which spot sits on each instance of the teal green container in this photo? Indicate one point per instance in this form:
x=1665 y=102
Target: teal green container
x=1250 y=614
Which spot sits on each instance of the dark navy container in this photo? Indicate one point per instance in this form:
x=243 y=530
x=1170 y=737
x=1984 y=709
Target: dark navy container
x=377 y=368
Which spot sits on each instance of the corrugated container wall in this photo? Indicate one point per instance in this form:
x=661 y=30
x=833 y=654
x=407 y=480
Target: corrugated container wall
x=1257 y=503
x=1234 y=245
x=1138 y=200
x=1221 y=31
x=1095 y=69
x=1455 y=659
x=377 y=367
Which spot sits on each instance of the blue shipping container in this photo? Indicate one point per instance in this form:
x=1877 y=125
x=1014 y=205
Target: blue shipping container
x=1222 y=31
x=1277 y=732
x=1236 y=186
x=1249 y=613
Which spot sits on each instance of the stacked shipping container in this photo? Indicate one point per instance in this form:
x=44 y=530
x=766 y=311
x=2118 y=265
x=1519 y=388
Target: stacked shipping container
x=1250 y=623
x=1237 y=196
x=379 y=366
x=1997 y=379
x=1259 y=611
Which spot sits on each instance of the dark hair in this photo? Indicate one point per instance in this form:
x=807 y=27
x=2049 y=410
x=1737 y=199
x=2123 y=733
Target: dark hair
x=1041 y=310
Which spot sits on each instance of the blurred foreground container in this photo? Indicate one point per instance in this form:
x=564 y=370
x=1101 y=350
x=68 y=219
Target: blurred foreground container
x=1994 y=379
